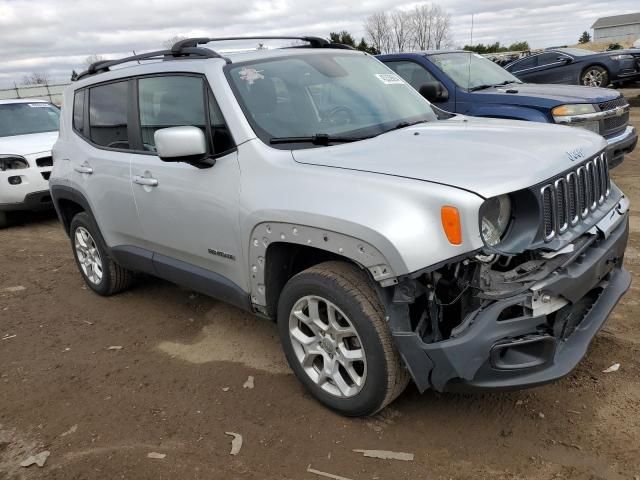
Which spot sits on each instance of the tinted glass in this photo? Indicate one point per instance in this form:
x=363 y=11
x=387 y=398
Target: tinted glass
x=108 y=115
x=78 y=110
x=26 y=118
x=330 y=93
x=548 y=58
x=222 y=140
x=470 y=70
x=577 y=52
x=528 y=62
x=170 y=101
x=416 y=75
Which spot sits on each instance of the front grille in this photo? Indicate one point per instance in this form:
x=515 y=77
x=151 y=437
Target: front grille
x=612 y=124
x=574 y=196
x=44 y=162
x=615 y=124
x=611 y=104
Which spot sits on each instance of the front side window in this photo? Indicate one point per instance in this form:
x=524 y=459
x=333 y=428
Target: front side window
x=416 y=75
x=26 y=118
x=334 y=94
x=108 y=115
x=173 y=101
x=470 y=70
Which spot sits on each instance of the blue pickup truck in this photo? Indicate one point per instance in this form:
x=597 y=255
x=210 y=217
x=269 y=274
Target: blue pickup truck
x=464 y=82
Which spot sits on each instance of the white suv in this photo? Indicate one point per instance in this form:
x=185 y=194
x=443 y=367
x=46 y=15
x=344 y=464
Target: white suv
x=313 y=186
x=28 y=130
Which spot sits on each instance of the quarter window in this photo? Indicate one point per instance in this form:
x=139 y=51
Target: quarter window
x=78 y=110
x=108 y=115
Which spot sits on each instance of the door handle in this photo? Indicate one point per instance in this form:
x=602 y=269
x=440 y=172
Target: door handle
x=146 y=181
x=84 y=168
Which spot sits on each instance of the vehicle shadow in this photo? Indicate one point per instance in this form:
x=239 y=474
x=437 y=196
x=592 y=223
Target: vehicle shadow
x=23 y=219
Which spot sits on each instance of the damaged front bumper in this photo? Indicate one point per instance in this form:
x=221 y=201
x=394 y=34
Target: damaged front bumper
x=532 y=337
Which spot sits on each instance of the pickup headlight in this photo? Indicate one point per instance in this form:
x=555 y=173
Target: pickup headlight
x=495 y=216
x=12 y=162
x=621 y=56
x=564 y=113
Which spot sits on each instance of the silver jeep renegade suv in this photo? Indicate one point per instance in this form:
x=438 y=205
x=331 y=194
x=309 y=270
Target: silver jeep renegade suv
x=311 y=185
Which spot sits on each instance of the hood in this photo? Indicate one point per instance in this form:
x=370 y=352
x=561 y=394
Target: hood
x=28 y=144
x=531 y=94
x=485 y=156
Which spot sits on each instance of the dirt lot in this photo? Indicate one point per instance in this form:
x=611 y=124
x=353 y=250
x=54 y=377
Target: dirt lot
x=176 y=386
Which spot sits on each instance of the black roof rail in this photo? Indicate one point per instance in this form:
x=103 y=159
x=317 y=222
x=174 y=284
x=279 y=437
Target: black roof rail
x=189 y=47
x=105 y=65
x=314 y=42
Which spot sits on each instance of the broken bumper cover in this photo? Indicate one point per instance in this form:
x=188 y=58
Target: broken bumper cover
x=493 y=352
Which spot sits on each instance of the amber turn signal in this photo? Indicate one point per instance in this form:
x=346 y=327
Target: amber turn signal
x=451 y=224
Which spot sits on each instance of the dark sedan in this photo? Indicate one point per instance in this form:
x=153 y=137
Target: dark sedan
x=575 y=66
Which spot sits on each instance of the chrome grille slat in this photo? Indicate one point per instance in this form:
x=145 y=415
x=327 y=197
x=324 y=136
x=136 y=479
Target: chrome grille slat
x=573 y=197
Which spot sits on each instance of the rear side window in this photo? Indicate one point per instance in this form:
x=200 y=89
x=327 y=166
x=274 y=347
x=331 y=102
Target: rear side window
x=525 y=63
x=108 y=115
x=78 y=111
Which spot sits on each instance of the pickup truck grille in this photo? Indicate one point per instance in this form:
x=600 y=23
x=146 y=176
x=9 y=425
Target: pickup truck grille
x=573 y=197
x=615 y=123
x=611 y=104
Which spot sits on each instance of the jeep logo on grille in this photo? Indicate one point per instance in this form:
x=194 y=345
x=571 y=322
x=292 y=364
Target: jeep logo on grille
x=575 y=154
x=619 y=111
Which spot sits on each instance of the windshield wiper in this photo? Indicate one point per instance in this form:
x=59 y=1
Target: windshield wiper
x=484 y=87
x=404 y=125
x=317 y=139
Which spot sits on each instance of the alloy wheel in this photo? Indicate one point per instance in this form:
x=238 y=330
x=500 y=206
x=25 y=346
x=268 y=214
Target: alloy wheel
x=88 y=255
x=593 y=78
x=327 y=346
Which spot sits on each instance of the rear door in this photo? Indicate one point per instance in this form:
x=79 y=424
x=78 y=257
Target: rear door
x=189 y=216
x=99 y=154
x=553 y=67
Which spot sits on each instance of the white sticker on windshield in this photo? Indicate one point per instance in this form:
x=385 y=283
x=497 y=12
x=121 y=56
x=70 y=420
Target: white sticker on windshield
x=250 y=75
x=38 y=105
x=389 y=78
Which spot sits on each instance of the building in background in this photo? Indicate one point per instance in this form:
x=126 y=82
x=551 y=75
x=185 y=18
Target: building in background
x=50 y=92
x=617 y=28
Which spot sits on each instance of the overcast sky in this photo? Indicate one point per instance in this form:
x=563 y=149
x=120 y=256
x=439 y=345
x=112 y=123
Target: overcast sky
x=55 y=36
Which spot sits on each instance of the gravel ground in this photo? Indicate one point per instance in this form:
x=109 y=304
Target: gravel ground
x=176 y=386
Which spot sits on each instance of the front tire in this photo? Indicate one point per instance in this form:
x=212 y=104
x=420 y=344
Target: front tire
x=100 y=273
x=595 y=76
x=334 y=334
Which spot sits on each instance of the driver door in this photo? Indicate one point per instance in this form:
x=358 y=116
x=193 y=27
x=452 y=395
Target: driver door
x=188 y=214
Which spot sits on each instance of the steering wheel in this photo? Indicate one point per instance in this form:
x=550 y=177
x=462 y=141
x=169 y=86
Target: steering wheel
x=340 y=115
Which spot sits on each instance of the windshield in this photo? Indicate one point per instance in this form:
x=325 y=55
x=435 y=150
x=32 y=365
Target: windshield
x=576 y=52
x=470 y=70
x=25 y=118
x=340 y=95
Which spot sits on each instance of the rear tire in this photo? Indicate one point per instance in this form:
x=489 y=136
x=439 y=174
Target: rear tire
x=595 y=76
x=100 y=273
x=334 y=334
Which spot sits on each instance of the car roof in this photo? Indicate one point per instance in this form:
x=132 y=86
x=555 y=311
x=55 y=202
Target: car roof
x=22 y=100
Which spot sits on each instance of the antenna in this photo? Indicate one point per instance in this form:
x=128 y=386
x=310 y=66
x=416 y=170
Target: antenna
x=471 y=44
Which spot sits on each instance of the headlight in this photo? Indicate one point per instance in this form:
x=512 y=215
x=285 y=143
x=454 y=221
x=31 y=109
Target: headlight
x=575 y=109
x=12 y=162
x=622 y=56
x=495 y=215
x=564 y=115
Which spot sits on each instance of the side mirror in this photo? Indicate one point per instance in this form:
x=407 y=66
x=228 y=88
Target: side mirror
x=180 y=144
x=565 y=60
x=434 y=92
